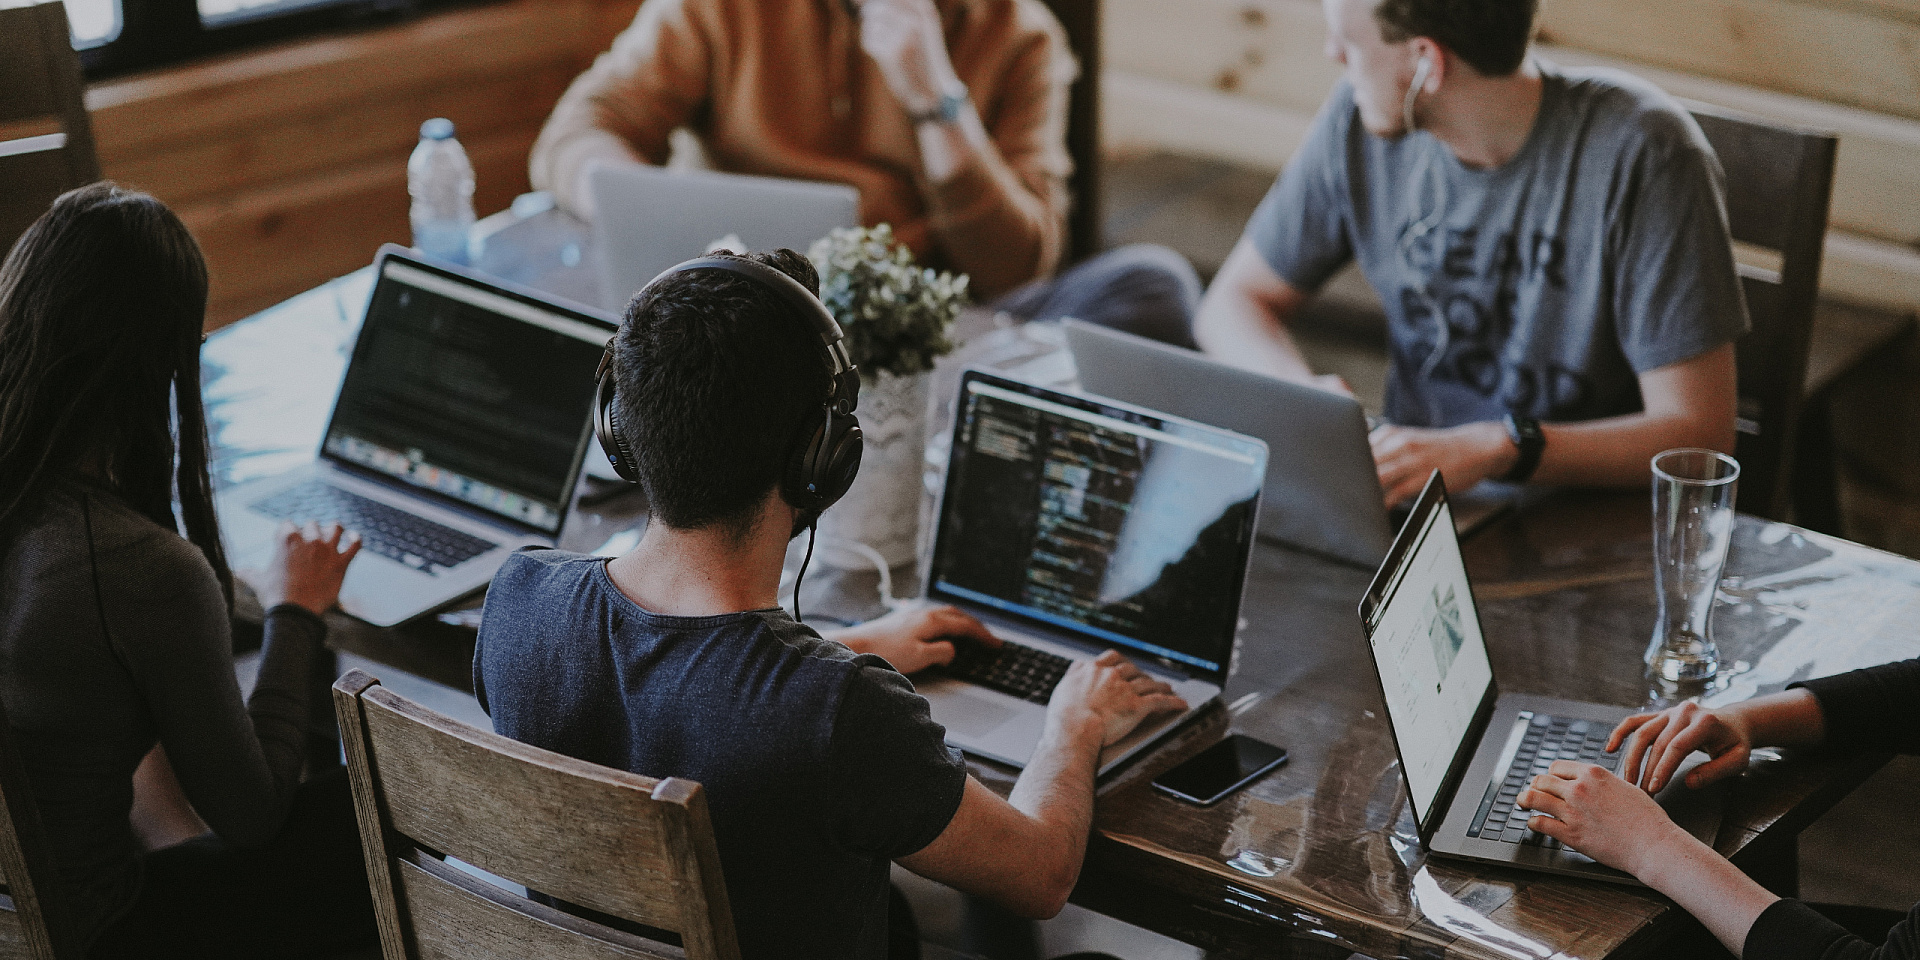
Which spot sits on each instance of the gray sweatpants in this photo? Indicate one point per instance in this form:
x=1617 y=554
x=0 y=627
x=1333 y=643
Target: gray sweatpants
x=1143 y=289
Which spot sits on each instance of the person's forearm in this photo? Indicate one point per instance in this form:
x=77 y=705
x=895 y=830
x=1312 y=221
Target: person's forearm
x=1056 y=790
x=1704 y=884
x=948 y=148
x=1619 y=451
x=1239 y=332
x=995 y=226
x=1788 y=719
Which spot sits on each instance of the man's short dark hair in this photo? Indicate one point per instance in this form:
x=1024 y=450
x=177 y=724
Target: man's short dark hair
x=716 y=378
x=1490 y=35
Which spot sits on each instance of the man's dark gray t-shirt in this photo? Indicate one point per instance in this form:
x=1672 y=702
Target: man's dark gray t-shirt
x=821 y=766
x=1596 y=253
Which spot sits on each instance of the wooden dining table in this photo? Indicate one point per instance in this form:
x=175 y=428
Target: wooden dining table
x=1320 y=857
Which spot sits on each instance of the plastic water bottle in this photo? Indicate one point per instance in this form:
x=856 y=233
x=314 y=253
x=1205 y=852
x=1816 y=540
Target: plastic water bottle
x=440 y=180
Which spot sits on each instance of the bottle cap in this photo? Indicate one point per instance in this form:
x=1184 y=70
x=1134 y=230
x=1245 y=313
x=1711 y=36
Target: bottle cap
x=439 y=128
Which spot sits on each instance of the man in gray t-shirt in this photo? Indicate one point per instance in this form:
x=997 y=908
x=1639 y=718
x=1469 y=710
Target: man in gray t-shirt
x=1550 y=245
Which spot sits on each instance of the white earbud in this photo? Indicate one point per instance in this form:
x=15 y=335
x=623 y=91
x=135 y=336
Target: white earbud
x=1420 y=72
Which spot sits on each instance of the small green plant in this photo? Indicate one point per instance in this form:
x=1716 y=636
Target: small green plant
x=896 y=316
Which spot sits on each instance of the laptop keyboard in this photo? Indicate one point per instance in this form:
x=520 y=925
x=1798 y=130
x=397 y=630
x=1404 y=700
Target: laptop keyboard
x=1545 y=739
x=388 y=531
x=1014 y=669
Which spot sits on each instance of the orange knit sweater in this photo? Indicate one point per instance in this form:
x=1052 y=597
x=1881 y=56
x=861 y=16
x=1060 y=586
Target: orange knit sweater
x=782 y=88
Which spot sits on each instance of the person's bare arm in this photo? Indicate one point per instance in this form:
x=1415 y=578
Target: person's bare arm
x=1242 y=321
x=1050 y=812
x=1686 y=404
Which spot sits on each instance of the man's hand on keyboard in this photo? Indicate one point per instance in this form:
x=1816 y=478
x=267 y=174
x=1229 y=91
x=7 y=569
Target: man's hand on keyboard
x=1657 y=743
x=915 y=636
x=308 y=565
x=1108 y=696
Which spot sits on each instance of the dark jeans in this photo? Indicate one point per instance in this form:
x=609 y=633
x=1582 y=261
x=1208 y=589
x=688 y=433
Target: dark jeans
x=302 y=894
x=1143 y=289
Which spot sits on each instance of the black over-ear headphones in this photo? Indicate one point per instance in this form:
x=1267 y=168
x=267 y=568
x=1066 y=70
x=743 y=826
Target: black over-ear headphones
x=825 y=456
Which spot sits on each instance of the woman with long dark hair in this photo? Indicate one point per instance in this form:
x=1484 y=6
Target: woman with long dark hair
x=115 y=613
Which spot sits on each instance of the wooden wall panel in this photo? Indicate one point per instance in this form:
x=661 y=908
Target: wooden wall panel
x=289 y=162
x=267 y=245
x=1864 y=56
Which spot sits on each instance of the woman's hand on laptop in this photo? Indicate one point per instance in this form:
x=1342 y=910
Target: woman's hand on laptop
x=915 y=635
x=1657 y=743
x=308 y=566
x=1108 y=696
x=1589 y=809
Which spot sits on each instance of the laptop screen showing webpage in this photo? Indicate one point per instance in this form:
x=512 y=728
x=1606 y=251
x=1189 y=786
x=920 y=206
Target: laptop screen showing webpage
x=469 y=393
x=1121 y=527
x=1432 y=659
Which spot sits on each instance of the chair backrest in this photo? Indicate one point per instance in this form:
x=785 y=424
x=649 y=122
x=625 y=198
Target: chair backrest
x=427 y=788
x=33 y=919
x=1779 y=181
x=1081 y=18
x=46 y=142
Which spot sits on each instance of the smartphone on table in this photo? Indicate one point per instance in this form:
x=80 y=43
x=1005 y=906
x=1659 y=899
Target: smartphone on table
x=1208 y=776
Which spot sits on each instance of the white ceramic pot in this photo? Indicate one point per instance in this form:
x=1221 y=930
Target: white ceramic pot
x=882 y=510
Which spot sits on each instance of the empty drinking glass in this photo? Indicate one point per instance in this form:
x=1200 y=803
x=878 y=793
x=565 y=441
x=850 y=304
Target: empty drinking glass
x=1692 y=525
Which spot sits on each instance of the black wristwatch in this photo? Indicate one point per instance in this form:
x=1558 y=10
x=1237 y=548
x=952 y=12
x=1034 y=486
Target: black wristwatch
x=1530 y=440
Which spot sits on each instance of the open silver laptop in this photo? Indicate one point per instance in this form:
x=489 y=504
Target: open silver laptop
x=1466 y=748
x=649 y=218
x=1074 y=525
x=456 y=438
x=1322 y=491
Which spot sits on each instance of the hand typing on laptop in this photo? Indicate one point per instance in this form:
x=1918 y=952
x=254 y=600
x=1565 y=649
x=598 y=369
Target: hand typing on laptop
x=915 y=636
x=309 y=562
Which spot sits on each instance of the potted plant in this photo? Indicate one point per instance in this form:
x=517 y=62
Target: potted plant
x=896 y=317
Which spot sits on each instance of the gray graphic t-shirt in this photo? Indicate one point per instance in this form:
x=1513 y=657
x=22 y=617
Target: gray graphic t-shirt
x=1542 y=286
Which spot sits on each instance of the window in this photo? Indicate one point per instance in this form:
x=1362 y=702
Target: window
x=93 y=22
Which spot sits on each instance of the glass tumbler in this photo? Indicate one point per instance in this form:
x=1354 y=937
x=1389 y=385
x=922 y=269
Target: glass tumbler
x=1692 y=525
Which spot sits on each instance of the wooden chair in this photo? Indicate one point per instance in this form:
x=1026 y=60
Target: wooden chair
x=427 y=788
x=33 y=918
x=1779 y=181
x=46 y=141
x=1081 y=18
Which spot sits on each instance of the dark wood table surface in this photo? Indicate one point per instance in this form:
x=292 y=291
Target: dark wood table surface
x=1319 y=858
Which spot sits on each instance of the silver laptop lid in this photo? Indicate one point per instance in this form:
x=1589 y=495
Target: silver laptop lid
x=469 y=392
x=1423 y=631
x=1322 y=491
x=647 y=219
x=1111 y=524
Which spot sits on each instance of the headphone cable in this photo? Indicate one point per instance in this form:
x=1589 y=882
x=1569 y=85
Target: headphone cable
x=801 y=577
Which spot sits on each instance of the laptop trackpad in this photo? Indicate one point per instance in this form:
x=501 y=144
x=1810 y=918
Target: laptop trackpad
x=971 y=716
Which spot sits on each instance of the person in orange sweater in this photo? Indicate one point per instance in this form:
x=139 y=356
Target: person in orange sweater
x=949 y=117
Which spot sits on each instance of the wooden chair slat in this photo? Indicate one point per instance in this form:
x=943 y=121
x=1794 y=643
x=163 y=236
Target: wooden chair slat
x=41 y=93
x=459 y=917
x=580 y=835
x=1778 y=185
x=427 y=786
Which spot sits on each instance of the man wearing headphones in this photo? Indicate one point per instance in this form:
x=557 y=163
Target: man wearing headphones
x=1550 y=245
x=727 y=396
